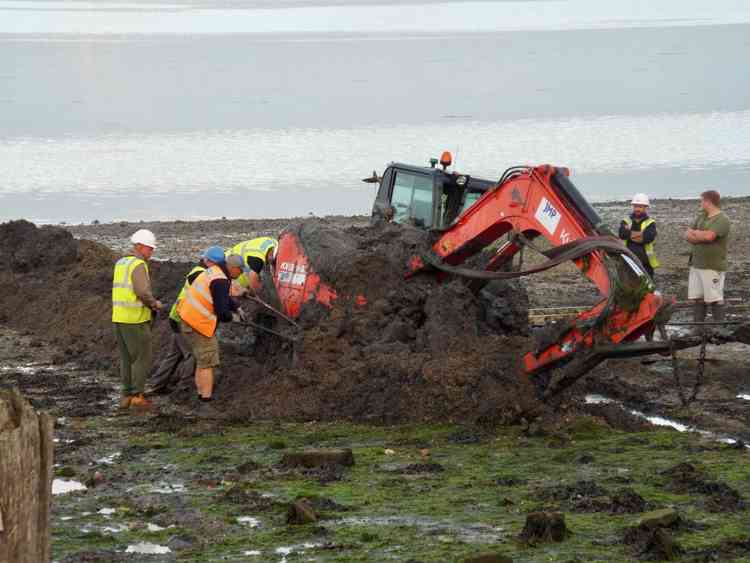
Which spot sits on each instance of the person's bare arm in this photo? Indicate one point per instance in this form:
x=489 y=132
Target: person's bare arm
x=694 y=236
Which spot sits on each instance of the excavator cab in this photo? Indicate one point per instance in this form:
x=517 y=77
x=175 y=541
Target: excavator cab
x=426 y=197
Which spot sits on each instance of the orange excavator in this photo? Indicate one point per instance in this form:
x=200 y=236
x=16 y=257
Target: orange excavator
x=469 y=215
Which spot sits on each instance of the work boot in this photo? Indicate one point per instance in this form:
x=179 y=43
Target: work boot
x=125 y=402
x=699 y=316
x=717 y=312
x=140 y=402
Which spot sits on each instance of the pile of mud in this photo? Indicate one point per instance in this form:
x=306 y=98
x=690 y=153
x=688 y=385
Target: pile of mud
x=59 y=289
x=419 y=350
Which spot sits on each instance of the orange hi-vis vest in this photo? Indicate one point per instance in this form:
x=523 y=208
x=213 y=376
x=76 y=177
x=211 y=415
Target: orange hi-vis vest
x=197 y=307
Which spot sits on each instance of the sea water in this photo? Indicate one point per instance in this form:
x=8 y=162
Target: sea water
x=147 y=110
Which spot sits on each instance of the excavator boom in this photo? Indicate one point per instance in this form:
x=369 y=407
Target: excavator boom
x=469 y=215
x=542 y=202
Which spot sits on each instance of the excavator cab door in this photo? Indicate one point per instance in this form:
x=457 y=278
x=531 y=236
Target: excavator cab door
x=408 y=196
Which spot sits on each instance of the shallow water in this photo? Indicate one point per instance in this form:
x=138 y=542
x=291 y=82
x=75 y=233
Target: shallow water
x=657 y=420
x=147 y=548
x=63 y=486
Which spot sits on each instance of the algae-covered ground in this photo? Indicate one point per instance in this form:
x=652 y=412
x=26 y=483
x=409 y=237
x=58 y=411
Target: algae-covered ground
x=415 y=493
x=193 y=489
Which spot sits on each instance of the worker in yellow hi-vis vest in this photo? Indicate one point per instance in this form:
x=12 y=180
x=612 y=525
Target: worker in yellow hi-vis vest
x=639 y=233
x=256 y=253
x=133 y=305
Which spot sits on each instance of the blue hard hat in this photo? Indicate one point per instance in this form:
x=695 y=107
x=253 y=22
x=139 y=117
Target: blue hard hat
x=215 y=254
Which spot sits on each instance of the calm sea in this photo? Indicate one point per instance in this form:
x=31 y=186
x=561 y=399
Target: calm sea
x=191 y=109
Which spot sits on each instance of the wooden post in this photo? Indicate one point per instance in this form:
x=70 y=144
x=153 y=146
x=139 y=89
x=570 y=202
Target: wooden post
x=26 y=448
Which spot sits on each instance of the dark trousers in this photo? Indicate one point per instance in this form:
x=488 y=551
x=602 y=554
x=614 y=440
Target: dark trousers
x=134 y=342
x=179 y=362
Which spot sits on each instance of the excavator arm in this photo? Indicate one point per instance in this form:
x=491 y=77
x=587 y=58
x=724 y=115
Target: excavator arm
x=542 y=202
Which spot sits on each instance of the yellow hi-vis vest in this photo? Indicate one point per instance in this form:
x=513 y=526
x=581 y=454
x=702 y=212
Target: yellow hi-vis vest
x=173 y=311
x=257 y=247
x=197 y=307
x=649 y=248
x=126 y=307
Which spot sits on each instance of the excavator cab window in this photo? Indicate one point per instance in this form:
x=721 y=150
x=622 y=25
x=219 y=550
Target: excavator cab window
x=412 y=198
x=471 y=197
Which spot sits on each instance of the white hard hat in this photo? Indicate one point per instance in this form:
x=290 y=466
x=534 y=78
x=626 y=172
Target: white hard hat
x=640 y=199
x=144 y=237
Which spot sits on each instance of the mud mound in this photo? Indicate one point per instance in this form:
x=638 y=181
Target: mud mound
x=60 y=289
x=25 y=247
x=419 y=350
x=372 y=261
x=720 y=497
x=352 y=259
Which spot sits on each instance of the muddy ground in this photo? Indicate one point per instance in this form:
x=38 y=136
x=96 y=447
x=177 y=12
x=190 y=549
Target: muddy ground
x=447 y=491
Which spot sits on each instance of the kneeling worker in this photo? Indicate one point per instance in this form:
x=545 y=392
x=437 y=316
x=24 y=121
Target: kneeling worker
x=179 y=360
x=206 y=303
x=256 y=254
x=639 y=233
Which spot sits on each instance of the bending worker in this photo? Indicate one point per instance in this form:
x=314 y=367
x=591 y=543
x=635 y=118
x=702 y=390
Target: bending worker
x=179 y=360
x=639 y=232
x=207 y=303
x=256 y=254
x=132 y=307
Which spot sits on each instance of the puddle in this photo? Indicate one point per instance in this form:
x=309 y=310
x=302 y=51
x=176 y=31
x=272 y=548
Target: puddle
x=109 y=459
x=147 y=548
x=160 y=487
x=27 y=369
x=107 y=511
x=469 y=533
x=252 y=553
x=61 y=486
x=285 y=551
x=657 y=420
x=116 y=529
x=249 y=521
x=111 y=529
x=597 y=400
x=744 y=397
x=155 y=527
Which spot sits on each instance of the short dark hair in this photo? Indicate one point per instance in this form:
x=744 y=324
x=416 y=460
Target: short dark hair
x=712 y=196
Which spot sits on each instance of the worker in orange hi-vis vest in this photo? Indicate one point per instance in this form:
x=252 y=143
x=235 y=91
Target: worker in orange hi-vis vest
x=206 y=304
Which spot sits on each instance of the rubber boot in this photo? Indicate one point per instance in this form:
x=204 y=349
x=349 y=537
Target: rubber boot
x=717 y=312
x=699 y=316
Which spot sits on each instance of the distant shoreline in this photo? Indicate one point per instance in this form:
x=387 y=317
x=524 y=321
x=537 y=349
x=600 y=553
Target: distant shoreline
x=728 y=200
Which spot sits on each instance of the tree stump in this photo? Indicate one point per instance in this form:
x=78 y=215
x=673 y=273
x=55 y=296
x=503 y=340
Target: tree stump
x=26 y=448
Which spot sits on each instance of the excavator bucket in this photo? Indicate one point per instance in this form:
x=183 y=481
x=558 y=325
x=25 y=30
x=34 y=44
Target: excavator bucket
x=297 y=284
